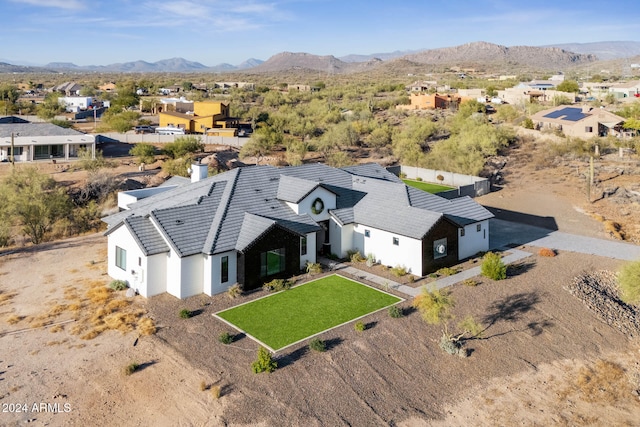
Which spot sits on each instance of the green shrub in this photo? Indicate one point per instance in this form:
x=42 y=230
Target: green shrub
x=317 y=344
x=359 y=326
x=131 y=368
x=277 y=285
x=419 y=179
x=629 y=282
x=264 y=363
x=184 y=313
x=399 y=270
x=225 y=338
x=493 y=267
x=118 y=285
x=144 y=152
x=395 y=312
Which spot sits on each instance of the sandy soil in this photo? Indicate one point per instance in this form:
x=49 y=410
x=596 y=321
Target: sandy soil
x=544 y=359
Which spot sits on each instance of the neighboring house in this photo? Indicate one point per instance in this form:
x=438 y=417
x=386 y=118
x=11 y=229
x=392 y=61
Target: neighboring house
x=74 y=104
x=582 y=122
x=432 y=101
x=256 y=223
x=208 y=117
x=627 y=90
x=524 y=93
x=68 y=88
x=107 y=87
x=39 y=141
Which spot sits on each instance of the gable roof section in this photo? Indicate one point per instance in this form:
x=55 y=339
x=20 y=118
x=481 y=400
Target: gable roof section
x=146 y=235
x=183 y=225
x=292 y=189
x=372 y=170
x=253 y=226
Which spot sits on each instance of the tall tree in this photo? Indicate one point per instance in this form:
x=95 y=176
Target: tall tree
x=36 y=201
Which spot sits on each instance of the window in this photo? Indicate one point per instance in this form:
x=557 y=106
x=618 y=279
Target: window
x=478 y=227
x=367 y=233
x=139 y=262
x=396 y=241
x=121 y=258
x=462 y=232
x=224 y=269
x=440 y=248
x=272 y=262
x=303 y=246
x=588 y=129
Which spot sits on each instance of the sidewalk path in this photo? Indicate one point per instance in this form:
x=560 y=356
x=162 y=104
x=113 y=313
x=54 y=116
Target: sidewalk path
x=514 y=255
x=512 y=233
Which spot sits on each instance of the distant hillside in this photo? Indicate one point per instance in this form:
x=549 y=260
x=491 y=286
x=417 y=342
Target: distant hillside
x=287 y=61
x=479 y=55
x=604 y=50
x=484 y=55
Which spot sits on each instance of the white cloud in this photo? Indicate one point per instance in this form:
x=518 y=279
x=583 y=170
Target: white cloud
x=61 y=4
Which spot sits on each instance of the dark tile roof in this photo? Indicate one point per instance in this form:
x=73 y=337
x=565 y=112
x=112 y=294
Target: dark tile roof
x=231 y=210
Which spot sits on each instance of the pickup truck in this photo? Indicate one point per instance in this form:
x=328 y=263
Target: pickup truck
x=144 y=129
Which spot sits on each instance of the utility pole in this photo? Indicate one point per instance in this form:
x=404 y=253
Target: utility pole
x=13 y=162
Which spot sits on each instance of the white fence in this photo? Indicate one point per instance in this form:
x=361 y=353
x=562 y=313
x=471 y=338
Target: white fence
x=154 y=138
x=466 y=185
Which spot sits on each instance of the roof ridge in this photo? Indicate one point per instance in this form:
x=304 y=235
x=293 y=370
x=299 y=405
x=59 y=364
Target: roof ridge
x=225 y=199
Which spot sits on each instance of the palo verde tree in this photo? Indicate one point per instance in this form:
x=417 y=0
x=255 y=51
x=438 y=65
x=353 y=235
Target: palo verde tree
x=435 y=305
x=629 y=282
x=35 y=201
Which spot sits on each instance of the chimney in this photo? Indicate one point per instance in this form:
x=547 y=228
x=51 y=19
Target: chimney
x=198 y=171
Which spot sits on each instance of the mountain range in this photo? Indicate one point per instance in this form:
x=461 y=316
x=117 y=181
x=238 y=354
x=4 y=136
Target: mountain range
x=475 y=55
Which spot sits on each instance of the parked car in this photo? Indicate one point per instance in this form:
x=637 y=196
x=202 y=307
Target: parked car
x=145 y=129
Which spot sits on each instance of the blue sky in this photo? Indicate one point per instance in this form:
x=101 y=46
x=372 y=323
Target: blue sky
x=101 y=32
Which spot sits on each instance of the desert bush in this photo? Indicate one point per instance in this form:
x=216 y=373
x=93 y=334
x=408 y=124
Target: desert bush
x=203 y=385
x=419 y=179
x=446 y=271
x=395 y=312
x=314 y=268
x=277 y=285
x=131 y=368
x=215 y=391
x=546 y=252
x=399 y=270
x=264 y=363
x=450 y=346
x=359 y=326
x=183 y=146
x=184 y=313
x=225 y=338
x=470 y=282
x=412 y=278
x=493 y=267
x=144 y=152
x=629 y=282
x=317 y=344
x=371 y=260
x=118 y=285
x=355 y=256
x=234 y=291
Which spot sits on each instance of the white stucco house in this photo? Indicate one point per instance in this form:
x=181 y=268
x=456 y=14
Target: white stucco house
x=28 y=141
x=253 y=224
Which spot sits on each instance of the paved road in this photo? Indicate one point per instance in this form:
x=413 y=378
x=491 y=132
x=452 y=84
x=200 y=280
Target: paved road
x=508 y=234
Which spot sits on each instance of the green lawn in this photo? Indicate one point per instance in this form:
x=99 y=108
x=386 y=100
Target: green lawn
x=293 y=315
x=426 y=186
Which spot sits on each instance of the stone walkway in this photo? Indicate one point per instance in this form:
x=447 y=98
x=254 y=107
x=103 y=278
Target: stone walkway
x=513 y=256
x=503 y=233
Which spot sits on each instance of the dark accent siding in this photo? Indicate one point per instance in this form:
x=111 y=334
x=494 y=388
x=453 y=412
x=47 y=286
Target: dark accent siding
x=441 y=230
x=249 y=261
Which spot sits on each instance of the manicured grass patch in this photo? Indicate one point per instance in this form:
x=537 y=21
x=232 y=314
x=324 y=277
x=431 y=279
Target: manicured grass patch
x=293 y=315
x=426 y=186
